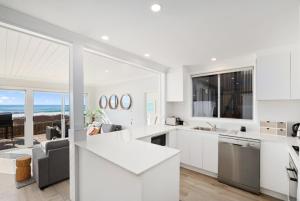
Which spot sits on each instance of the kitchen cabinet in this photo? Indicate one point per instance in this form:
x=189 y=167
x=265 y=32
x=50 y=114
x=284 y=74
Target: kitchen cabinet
x=273 y=75
x=172 y=139
x=196 y=149
x=295 y=72
x=175 y=85
x=210 y=152
x=273 y=161
x=183 y=143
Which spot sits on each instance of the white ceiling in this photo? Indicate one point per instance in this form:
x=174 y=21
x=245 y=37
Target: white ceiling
x=27 y=57
x=186 y=32
x=101 y=71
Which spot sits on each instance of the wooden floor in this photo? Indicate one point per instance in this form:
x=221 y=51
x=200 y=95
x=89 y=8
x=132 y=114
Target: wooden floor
x=8 y=191
x=193 y=187
x=198 y=187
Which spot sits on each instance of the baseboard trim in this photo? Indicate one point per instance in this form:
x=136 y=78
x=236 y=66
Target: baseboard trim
x=273 y=194
x=201 y=171
x=264 y=191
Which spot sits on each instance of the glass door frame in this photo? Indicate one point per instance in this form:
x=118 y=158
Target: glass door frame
x=28 y=134
x=63 y=96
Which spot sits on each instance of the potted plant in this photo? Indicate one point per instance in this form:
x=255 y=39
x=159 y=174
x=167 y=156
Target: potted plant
x=93 y=115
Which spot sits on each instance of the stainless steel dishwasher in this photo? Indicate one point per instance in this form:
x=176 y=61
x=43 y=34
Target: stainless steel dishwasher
x=239 y=162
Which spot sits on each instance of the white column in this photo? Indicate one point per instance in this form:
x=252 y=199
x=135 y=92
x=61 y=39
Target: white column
x=28 y=110
x=76 y=114
x=63 y=120
x=162 y=98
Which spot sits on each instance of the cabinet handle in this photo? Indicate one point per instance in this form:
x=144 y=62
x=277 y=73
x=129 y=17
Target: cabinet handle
x=237 y=145
x=290 y=172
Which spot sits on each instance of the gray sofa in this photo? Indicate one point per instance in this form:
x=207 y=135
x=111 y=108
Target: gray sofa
x=52 y=132
x=52 y=164
x=107 y=128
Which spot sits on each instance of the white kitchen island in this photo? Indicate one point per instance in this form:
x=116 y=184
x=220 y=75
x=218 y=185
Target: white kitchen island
x=117 y=167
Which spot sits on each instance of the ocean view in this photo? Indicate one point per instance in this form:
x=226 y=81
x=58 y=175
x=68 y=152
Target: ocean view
x=19 y=109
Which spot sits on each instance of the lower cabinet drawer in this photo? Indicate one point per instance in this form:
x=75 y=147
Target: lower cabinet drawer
x=267 y=130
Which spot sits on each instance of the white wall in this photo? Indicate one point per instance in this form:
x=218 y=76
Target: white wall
x=279 y=110
x=137 y=89
x=264 y=110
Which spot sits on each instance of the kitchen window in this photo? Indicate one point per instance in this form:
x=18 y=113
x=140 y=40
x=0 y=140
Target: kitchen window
x=224 y=95
x=205 y=96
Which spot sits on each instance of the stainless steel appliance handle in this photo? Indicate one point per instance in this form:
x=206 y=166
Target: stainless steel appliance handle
x=237 y=140
x=237 y=145
x=292 y=174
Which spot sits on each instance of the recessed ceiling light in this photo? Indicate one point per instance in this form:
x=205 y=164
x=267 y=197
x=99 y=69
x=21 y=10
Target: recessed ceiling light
x=106 y=71
x=213 y=59
x=105 y=37
x=147 y=55
x=156 y=8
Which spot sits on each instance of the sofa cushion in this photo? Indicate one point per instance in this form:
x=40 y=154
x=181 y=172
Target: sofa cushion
x=55 y=144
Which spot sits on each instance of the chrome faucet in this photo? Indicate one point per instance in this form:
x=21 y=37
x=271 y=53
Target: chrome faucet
x=212 y=126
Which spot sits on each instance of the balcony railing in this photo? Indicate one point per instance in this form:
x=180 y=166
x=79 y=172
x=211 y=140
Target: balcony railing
x=40 y=122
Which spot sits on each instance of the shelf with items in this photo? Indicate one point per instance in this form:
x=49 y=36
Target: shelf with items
x=273 y=128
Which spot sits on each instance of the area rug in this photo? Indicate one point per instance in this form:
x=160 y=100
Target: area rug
x=25 y=183
x=17 y=142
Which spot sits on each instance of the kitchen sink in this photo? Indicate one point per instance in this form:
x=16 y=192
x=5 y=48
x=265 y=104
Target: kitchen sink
x=202 y=128
x=232 y=132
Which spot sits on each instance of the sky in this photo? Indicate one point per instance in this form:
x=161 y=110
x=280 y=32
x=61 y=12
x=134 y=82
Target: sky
x=11 y=97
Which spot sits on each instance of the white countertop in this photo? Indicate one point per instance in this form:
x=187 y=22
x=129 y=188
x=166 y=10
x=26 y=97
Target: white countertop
x=148 y=131
x=122 y=149
x=252 y=135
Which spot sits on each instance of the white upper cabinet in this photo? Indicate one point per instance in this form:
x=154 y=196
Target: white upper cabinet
x=273 y=76
x=175 y=85
x=295 y=74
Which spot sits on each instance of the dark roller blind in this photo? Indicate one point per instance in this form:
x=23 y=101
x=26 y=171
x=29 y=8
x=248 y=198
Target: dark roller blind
x=236 y=95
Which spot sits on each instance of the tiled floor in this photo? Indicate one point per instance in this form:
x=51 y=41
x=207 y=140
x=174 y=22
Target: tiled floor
x=193 y=187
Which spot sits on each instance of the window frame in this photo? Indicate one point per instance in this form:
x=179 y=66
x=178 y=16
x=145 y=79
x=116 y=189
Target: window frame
x=217 y=100
x=218 y=73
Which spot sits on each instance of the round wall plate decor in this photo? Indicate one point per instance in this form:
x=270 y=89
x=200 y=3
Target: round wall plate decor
x=126 y=101
x=103 y=102
x=113 y=102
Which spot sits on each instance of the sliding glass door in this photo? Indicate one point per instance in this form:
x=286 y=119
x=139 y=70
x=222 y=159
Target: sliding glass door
x=51 y=115
x=12 y=118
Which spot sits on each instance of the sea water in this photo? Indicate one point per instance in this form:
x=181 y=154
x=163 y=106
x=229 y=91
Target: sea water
x=19 y=109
